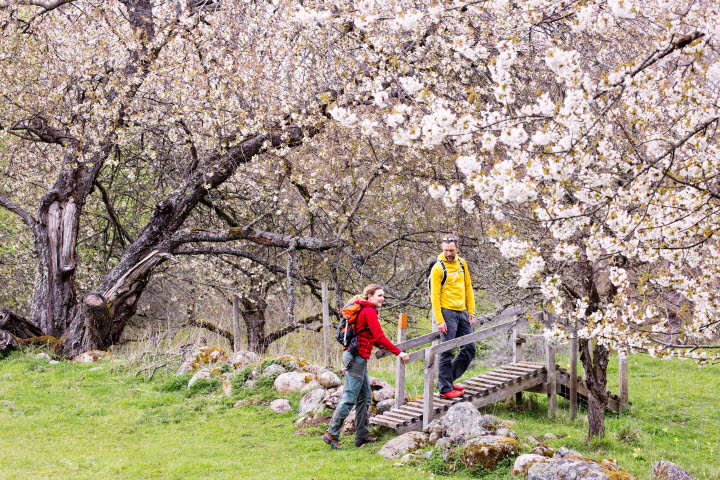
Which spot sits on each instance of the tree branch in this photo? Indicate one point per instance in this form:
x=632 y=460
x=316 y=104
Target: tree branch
x=19 y=211
x=261 y=237
x=113 y=216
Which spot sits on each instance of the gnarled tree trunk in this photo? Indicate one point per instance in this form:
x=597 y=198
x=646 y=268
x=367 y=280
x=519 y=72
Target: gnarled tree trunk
x=595 y=364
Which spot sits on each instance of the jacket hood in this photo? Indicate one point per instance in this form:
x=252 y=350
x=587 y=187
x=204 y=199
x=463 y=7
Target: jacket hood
x=364 y=303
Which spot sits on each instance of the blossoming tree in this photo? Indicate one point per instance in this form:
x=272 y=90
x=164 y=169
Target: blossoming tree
x=587 y=130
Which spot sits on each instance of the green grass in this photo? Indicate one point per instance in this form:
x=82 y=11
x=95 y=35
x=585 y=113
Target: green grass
x=78 y=421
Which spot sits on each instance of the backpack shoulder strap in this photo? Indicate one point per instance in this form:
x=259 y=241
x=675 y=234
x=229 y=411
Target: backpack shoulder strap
x=444 y=269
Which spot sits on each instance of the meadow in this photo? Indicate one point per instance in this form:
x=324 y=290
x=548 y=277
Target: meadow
x=110 y=420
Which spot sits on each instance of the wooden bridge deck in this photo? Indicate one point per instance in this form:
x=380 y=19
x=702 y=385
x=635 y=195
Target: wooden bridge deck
x=484 y=389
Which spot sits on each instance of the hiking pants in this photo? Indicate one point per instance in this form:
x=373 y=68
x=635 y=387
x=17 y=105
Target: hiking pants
x=356 y=394
x=451 y=368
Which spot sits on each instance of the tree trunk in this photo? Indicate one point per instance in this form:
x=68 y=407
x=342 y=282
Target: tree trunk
x=253 y=314
x=595 y=365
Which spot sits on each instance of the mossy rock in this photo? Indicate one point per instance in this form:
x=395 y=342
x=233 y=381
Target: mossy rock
x=488 y=451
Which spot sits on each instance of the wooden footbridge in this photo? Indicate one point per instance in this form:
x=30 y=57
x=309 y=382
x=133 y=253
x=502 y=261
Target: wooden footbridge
x=489 y=387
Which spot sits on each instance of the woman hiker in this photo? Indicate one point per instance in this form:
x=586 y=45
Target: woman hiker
x=357 y=381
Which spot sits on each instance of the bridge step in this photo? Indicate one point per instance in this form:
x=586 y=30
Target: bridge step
x=484 y=389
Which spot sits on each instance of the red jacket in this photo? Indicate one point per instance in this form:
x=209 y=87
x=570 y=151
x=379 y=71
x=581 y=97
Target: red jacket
x=373 y=337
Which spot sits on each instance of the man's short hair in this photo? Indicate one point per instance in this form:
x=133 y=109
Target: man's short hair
x=450 y=239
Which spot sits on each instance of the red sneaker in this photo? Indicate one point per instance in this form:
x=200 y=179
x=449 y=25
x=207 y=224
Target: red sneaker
x=452 y=394
x=459 y=388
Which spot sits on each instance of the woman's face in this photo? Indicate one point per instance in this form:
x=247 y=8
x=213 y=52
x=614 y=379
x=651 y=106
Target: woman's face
x=377 y=298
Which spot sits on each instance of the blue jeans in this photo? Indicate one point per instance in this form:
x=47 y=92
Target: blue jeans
x=356 y=394
x=451 y=368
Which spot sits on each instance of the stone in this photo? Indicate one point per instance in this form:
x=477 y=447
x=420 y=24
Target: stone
x=463 y=421
x=664 y=470
x=349 y=423
x=93 y=356
x=383 y=394
x=242 y=358
x=544 y=450
x=407 y=457
x=312 y=402
x=574 y=468
x=524 y=462
x=385 y=405
x=227 y=387
x=402 y=444
x=506 y=432
x=329 y=380
x=488 y=451
x=205 y=374
x=43 y=356
x=8 y=343
x=280 y=405
x=565 y=452
x=548 y=436
x=186 y=367
x=444 y=442
x=314 y=369
x=274 y=369
x=377 y=384
x=333 y=398
x=311 y=385
x=291 y=382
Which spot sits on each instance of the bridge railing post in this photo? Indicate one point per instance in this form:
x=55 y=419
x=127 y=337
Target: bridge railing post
x=623 y=380
x=429 y=387
x=551 y=376
x=399 y=366
x=573 y=372
x=517 y=354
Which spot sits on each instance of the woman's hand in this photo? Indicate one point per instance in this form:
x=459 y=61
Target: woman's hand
x=404 y=357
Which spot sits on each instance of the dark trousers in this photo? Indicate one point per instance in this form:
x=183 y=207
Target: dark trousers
x=452 y=367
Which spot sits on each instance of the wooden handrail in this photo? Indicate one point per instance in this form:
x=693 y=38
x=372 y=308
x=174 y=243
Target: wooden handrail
x=430 y=337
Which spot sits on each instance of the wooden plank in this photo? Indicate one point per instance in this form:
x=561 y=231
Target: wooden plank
x=429 y=387
x=623 y=378
x=398 y=417
x=473 y=337
x=573 y=376
x=408 y=344
x=520 y=369
x=380 y=420
x=479 y=383
x=501 y=376
x=490 y=380
x=551 y=381
x=399 y=366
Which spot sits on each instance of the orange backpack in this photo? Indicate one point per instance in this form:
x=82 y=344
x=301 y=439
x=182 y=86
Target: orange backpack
x=347 y=333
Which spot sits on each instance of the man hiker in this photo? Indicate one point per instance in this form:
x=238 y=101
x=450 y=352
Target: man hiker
x=453 y=304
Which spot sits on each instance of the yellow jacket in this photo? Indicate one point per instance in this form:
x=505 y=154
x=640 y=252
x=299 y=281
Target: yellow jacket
x=457 y=293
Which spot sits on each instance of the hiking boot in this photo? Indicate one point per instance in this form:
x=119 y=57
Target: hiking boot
x=459 y=388
x=452 y=394
x=333 y=442
x=363 y=441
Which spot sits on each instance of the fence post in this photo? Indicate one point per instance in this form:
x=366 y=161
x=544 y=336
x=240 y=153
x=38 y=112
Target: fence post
x=326 y=323
x=434 y=329
x=517 y=352
x=429 y=387
x=236 y=323
x=399 y=365
x=551 y=382
x=623 y=381
x=573 y=374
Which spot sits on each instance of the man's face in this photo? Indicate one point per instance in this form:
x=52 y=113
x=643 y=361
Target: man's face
x=450 y=250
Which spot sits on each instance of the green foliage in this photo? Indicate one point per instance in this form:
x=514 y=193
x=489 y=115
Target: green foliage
x=175 y=383
x=204 y=386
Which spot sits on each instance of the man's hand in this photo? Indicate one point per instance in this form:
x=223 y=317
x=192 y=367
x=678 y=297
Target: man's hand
x=471 y=319
x=442 y=328
x=404 y=357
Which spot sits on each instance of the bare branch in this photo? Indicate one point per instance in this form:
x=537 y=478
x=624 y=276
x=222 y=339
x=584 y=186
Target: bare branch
x=113 y=216
x=260 y=237
x=19 y=211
